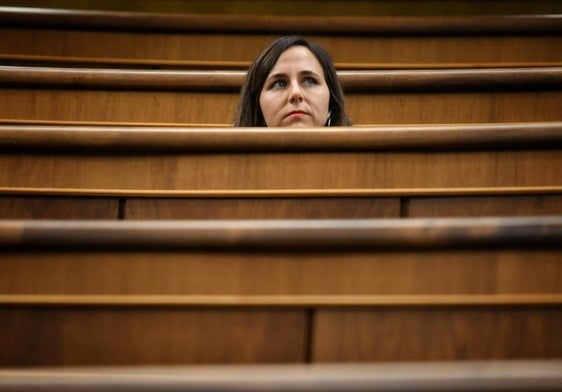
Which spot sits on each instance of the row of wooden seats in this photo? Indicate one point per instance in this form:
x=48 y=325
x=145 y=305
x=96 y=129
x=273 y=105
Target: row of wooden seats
x=411 y=377
x=210 y=97
x=163 y=40
x=207 y=173
x=168 y=288
x=162 y=292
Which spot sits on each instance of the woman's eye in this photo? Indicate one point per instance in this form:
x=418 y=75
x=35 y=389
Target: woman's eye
x=278 y=83
x=309 y=81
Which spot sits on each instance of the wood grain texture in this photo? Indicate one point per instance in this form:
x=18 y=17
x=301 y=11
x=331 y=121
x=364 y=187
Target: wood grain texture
x=279 y=301
x=377 y=81
x=451 y=272
x=300 y=170
x=485 y=206
x=120 y=63
x=218 y=108
x=42 y=207
x=138 y=21
x=242 y=47
x=528 y=375
x=295 y=7
x=89 y=333
x=436 y=334
x=256 y=208
x=59 y=337
x=131 y=139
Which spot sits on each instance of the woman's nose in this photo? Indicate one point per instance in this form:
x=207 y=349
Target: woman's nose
x=295 y=93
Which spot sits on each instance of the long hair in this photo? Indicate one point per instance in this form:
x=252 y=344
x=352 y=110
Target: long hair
x=249 y=114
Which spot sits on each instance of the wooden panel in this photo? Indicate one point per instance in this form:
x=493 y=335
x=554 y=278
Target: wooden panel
x=470 y=274
x=42 y=207
x=258 y=208
x=485 y=205
x=295 y=7
x=306 y=170
x=219 y=108
x=73 y=336
x=453 y=272
x=435 y=108
x=243 y=47
x=436 y=334
x=119 y=106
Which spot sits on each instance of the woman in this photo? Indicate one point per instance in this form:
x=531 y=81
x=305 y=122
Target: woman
x=292 y=83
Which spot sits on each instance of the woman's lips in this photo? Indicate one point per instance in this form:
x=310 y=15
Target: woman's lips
x=296 y=113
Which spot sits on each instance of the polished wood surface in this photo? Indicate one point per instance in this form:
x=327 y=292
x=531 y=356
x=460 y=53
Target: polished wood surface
x=295 y=7
x=184 y=301
x=41 y=207
x=166 y=37
x=262 y=208
x=106 y=336
x=391 y=171
x=41 y=203
x=437 y=335
x=498 y=205
x=343 y=207
x=131 y=278
x=129 y=288
x=529 y=375
x=301 y=284
x=188 y=108
x=350 y=257
x=287 y=193
x=160 y=48
x=186 y=159
x=97 y=62
x=355 y=234
x=198 y=97
x=120 y=278
x=538 y=135
x=131 y=21
x=352 y=81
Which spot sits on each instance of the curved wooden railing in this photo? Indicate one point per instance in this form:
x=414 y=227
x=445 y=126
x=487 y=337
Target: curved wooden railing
x=352 y=81
x=108 y=62
x=136 y=21
x=529 y=375
x=323 y=235
x=545 y=135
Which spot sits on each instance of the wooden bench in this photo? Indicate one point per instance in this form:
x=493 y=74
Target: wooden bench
x=210 y=97
x=163 y=292
x=74 y=172
x=163 y=40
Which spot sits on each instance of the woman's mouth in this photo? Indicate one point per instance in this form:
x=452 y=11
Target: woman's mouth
x=296 y=113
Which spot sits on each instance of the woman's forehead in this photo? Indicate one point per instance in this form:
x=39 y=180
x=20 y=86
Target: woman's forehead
x=297 y=59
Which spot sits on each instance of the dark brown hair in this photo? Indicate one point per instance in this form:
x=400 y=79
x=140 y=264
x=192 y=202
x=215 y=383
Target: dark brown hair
x=249 y=114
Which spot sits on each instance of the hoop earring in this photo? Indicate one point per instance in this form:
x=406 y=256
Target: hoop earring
x=329 y=122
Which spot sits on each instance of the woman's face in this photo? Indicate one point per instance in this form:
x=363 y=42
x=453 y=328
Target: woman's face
x=295 y=93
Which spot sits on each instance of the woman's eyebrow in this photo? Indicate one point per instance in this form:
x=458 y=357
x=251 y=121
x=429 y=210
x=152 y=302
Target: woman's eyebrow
x=308 y=72
x=277 y=75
